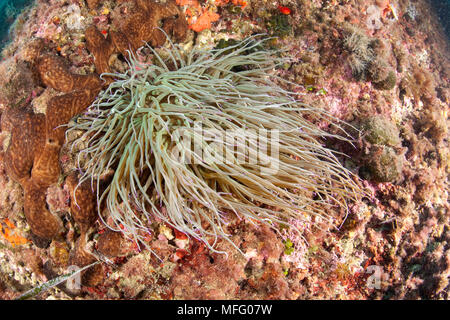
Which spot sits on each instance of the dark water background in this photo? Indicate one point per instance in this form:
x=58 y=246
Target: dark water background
x=442 y=8
x=10 y=9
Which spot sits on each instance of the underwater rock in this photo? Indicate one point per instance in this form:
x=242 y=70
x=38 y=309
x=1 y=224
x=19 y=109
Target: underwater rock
x=383 y=164
x=101 y=48
x=141 y=27
x=18 y=91
x=109 y=243
x=93 y=4
x=81 y=256
x=54 y=72
x=388 y=83
x=82 y=202
x=379 y=130
x=59 y=253
x=381 y=75
x=278 y=25
x=42 y=222
x=24 y=126
x=402 y=228
x=32 y=157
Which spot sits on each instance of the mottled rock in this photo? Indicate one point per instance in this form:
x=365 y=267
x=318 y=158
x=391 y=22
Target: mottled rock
x=54 y=72
x=380 y=130
x=42 y=222
x=82 y=202
x=32 y=157
x=59 y=253
x=140 y=27
x=383 y=164
x=109 y=243
x=93 y=4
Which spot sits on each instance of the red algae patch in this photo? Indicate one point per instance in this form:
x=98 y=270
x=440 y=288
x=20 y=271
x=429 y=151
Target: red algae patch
x=390 y=82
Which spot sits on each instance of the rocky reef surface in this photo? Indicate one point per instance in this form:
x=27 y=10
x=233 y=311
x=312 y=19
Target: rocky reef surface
x=382 y=66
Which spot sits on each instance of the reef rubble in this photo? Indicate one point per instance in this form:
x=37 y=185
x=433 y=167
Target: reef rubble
x=381 y=66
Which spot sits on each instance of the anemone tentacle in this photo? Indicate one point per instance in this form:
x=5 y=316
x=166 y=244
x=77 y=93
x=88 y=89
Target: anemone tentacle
x=133 y=129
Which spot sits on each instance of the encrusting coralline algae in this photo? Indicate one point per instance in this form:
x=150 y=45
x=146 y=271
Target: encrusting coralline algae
x=397 y=98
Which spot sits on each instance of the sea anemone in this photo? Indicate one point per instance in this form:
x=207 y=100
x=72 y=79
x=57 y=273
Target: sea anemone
x=253 y=149
x=361 y=53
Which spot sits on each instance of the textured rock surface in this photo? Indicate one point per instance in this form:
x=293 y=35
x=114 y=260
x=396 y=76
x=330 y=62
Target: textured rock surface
x=403 y=228
x=32 y=158
x=142 y=26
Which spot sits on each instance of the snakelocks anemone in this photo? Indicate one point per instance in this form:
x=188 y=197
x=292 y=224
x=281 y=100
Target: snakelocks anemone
x=199 y=138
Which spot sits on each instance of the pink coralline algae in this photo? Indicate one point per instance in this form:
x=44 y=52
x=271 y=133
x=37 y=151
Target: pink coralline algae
x=361 y=61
